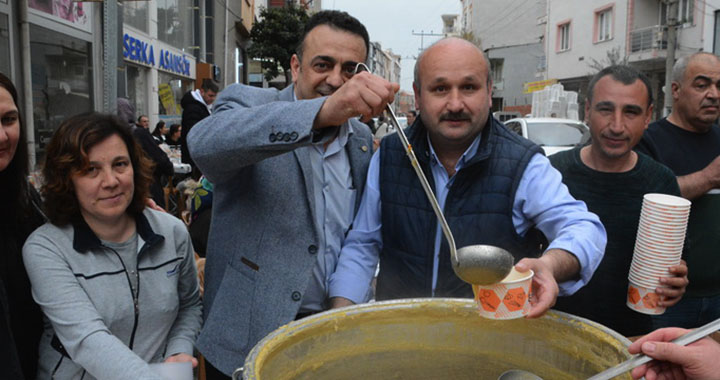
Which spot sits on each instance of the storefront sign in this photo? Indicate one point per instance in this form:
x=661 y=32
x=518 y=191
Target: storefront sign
x=531 y=87
x=138 y=50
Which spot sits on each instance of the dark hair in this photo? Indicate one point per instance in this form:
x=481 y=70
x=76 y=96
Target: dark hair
x=13 y=180
x=624 y=74
x=336 y=20
x=209 y=85
x=173 y=129
x=157 y=132
x=142 y=116
x=67 y=155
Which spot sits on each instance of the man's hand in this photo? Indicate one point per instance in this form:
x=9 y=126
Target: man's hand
x=182 y=358
x=544 y=289
x=337 y=302
x=696 y=184
x=678 y=283
x=364 y=94
x=555 y=265
x=697 y=360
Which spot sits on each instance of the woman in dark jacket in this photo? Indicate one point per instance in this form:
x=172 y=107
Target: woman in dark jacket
x=160 y=132
x=173 y=137
x=21 y=322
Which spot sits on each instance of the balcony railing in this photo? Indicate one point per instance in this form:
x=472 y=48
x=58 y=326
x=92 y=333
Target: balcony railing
x=650 y=38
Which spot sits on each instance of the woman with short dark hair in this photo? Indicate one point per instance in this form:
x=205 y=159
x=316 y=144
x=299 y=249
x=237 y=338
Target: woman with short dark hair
x=173 y=137
x=159 y=132
x=116 y=280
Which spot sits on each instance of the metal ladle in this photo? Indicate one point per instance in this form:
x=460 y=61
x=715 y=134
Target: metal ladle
x=635 y=361
x=475 y=264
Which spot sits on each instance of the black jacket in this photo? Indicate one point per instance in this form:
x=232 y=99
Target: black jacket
x=21 y=321
x=163 y=165
x=193 y=111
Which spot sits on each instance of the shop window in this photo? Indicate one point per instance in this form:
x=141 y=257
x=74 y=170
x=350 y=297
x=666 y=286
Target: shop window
x=603 y=25
x=175 y=23
x=137 y=88
x=170 y=92
x=61 y=81
x=135 y=14
x=563 y=37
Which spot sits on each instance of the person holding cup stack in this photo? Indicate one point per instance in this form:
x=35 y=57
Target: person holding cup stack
x=612 y=179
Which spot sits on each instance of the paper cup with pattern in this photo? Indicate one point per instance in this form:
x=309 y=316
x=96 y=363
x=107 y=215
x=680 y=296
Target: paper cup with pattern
x=643 y=299
x=508 y=299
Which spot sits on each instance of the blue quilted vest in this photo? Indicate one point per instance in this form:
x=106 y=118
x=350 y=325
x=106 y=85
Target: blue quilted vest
x=478 y=209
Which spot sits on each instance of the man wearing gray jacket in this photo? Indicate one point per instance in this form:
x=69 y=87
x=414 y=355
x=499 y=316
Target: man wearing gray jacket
x=288 y=169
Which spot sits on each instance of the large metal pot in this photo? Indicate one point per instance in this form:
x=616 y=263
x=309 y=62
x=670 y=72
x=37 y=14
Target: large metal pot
x=432 y=339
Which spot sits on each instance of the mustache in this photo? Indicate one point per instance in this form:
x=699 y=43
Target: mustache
x=455 y=116
x=711 y=103
x=326 y=89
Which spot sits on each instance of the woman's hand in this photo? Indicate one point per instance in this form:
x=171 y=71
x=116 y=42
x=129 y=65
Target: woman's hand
x=182 y=358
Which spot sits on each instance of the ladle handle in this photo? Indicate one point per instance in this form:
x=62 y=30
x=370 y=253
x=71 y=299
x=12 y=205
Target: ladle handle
x=421 y=176
x=638 y=360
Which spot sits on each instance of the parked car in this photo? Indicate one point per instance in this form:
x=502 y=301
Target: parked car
x=553 y=135
x=506 y=115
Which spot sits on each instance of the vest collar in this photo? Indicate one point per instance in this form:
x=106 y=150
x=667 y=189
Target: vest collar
x=84 y=239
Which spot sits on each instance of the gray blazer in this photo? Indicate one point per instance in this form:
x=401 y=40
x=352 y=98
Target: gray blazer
x=263 y=239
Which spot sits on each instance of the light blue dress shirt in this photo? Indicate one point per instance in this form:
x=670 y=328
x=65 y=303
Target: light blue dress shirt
x=334 y=206
x=541 y=200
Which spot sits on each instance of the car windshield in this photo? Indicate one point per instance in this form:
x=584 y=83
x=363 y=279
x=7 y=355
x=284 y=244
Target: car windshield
x=554 y=134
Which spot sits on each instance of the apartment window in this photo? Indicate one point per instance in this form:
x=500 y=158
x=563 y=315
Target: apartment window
x=496 y=70
x=716 y=41
x=684 y=14
x=603 y=22
x=563 y=37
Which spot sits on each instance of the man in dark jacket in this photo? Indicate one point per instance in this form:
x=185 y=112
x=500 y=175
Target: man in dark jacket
x=163 y=165
x=196 y=106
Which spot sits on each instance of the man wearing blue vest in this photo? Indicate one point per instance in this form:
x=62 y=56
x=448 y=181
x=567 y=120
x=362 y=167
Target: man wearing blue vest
x=494 y=186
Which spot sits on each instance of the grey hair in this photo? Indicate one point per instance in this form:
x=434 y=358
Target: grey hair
x=416 y=71
x=680 y=66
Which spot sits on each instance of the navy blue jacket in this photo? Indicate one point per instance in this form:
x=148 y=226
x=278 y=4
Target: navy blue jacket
x=478 y=209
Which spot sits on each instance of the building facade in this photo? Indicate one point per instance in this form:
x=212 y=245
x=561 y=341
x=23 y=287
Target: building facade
x=55 y=63
x=584 y=37
x=58 y=62
x=513 y=38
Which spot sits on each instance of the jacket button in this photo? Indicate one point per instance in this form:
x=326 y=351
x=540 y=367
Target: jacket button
x=293 y=136
x=273 y=138
x=313 y=249
x=296 y=296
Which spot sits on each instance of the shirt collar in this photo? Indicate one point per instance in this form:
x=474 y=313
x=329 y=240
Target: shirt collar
x=467 y=156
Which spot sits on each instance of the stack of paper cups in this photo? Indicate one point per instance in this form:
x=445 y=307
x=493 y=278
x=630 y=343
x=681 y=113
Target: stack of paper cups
x=658 y=246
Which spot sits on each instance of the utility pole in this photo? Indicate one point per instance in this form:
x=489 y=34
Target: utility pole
x=672 y=22
x=110 y=55
x=422 y=35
